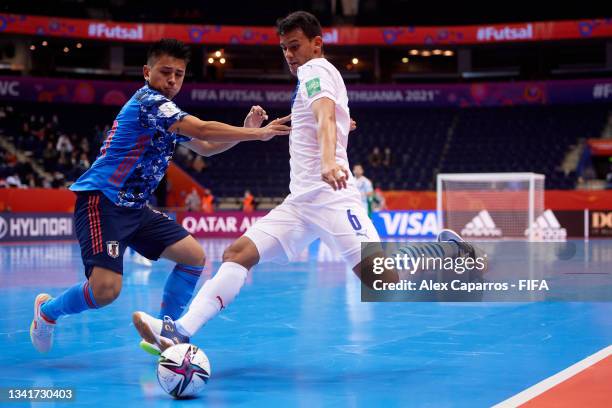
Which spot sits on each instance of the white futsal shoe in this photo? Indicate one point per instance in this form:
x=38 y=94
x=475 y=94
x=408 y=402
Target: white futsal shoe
x=41 y=329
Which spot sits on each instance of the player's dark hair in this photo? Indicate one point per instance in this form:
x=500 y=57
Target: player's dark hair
x=168 y=46
x=308 y=23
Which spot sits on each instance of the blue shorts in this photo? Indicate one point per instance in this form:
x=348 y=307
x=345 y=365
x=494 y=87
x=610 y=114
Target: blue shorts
x=105 y=230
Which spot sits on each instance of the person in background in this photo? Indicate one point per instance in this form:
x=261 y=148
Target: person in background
x=377 y=200
x=364 y=185
x=208 y=202
x=248 y=202
x=387 y=159
x=375 y=157
x=193 y=201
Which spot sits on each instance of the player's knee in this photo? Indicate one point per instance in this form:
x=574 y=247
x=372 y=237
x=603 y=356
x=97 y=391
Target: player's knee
x=197 y=256
x=106 y=292
x=231 y=254
x=242 y=252
x=237 y=254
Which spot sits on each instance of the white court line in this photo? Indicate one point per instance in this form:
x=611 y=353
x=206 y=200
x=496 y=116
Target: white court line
x=545 y=385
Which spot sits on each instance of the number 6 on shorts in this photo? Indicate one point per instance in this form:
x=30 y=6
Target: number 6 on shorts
x=353 y=220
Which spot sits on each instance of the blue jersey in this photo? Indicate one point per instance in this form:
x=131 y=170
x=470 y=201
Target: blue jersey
x=136 y=152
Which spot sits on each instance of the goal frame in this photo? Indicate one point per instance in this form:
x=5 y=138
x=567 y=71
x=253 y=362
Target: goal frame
x=485 y=177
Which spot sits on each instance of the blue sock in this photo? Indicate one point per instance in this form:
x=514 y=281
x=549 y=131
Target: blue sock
x=74 y=300
x=179 y=289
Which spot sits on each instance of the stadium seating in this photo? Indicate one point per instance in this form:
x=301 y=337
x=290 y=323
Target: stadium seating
x=423 y=142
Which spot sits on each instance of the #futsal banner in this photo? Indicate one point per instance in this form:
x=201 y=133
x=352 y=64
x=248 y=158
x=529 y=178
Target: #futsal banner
x=342 y=36
x=116 y=93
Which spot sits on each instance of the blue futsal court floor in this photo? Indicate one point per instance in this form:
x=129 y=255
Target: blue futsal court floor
x=297 y=335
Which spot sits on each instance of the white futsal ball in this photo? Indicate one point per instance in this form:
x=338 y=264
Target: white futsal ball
x=183 y=370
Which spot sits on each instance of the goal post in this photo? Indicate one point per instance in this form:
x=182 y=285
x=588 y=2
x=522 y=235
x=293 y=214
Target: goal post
x=490 y=205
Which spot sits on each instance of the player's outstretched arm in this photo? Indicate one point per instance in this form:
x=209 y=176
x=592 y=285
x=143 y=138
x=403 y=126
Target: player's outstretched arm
x=207 y=149
x=324 y=110
x=254 y=119
x=221 y=132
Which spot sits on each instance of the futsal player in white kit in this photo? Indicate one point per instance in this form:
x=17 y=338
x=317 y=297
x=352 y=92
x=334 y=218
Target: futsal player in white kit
x=324 y=201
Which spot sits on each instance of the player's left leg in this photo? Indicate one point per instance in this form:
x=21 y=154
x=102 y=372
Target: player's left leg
x=161 y=237
x=448 y=244
x=345 y=226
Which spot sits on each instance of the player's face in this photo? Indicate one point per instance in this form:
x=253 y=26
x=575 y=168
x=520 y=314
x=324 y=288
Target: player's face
x=299 y=49
x=166 y=75
x=358 y=171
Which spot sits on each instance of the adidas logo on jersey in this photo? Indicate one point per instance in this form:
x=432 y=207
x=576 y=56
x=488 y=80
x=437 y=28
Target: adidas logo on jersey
x=482 y=225
x=547 y=228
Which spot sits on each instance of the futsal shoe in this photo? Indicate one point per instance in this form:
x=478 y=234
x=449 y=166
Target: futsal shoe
x=41 y=329
x=466 y=250
x=150 y=348
x=157 y=335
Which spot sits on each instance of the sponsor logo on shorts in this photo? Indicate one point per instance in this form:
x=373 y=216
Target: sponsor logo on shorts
x=112 y=249
x=363 y=233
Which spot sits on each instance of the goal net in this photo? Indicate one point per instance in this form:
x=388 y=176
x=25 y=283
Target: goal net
x=490 y=205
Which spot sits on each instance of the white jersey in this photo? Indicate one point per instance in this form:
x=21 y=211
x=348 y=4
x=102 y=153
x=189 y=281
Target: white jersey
x=317 y=79
x=313 y=209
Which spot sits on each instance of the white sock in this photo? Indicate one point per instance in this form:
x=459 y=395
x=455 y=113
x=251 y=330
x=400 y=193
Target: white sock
x=216 y=294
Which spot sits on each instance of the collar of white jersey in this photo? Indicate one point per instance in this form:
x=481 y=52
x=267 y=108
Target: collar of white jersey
x=315 y=61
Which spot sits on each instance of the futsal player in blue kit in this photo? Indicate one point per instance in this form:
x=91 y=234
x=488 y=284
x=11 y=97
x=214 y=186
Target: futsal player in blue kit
x=111 y=210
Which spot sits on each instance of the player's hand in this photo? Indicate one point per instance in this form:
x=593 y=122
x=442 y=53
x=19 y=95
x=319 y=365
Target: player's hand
x=334 y=175
x=276 y=127
x=353 y=125
x=255 y=117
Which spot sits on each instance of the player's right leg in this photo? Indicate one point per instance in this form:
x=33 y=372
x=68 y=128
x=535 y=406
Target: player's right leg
x=101 y=227
x=278 y=237
x=217 y=293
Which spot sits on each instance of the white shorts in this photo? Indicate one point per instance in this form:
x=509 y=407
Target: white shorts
x=282 y=234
